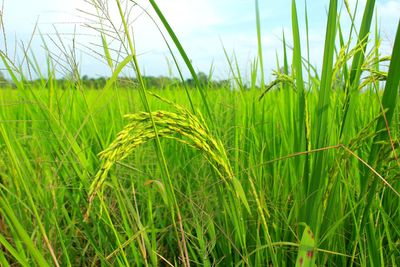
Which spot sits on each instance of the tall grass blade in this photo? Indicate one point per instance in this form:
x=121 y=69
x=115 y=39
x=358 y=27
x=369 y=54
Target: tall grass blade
x=300 y=143
x=107 y=51
x=390 y=95
x=322 y=135
x=259 y=45
x=356 y=70
x=23 y=235
x=389 y=102
x=13 y=252
x=298 y=74
x=117 y=71
x=145 y=101
x=184 y=57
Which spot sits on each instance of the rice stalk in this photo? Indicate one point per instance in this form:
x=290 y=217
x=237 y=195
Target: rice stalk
x=374 y=74
x=181 y=126
x=281 y=78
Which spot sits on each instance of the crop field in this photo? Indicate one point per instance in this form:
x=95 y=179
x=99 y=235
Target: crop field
x=301 y=171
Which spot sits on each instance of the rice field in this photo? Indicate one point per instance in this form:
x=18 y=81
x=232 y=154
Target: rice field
x=301 y=171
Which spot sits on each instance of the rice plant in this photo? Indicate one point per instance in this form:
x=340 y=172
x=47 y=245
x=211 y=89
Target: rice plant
x=302 y=170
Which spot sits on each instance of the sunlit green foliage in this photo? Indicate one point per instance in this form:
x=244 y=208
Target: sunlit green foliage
x=301 y=172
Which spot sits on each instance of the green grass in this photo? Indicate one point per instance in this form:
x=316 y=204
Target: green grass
x=301 y=172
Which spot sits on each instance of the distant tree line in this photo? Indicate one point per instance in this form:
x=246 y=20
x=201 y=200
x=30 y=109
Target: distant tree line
x=151 y=82
x=3 y=81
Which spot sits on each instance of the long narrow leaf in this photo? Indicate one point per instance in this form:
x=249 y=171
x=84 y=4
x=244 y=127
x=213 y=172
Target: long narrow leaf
x=184 y=57
x=355 y=70
x=318 y=176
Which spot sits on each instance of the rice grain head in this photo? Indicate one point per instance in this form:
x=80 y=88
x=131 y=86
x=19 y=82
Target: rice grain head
x=181 y=126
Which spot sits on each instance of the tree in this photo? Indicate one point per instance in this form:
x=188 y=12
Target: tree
x=3 y=81
x=203 y=79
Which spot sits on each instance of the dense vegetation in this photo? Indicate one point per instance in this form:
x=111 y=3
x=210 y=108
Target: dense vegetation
x=85 y=82
x=301 y=171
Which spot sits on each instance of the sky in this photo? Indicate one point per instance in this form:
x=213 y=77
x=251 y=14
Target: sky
x=205 y=28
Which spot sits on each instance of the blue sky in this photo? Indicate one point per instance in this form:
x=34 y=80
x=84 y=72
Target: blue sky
x=202 y=26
